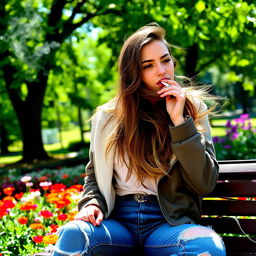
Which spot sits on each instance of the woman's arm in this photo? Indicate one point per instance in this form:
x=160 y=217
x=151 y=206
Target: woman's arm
x=92 y=205
x=195 y=152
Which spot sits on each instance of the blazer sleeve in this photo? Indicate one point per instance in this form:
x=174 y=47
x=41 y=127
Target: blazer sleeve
x=196 y=155
x=91 y=193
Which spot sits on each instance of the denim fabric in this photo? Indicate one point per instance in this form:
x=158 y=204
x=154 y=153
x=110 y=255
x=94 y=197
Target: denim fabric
x=141 y=225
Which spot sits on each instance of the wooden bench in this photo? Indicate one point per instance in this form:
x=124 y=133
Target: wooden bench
x=231 y=207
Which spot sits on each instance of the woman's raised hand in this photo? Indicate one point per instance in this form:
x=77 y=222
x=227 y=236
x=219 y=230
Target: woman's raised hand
x=175 y=97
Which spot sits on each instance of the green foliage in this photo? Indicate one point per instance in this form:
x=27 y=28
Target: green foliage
x=213 y=35
x=54 y=45
x=81 y=78
x=239 y=142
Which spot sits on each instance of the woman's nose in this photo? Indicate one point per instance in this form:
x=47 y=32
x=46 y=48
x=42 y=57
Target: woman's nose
x=160 y=69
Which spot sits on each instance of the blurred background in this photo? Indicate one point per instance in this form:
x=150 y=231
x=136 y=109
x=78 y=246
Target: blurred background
x=58 y=63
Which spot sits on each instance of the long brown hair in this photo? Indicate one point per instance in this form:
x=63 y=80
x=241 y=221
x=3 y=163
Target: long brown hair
x=141 y=134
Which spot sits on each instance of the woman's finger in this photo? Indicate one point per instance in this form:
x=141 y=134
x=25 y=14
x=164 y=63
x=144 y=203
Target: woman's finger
x=99 y=217
x=175 y=93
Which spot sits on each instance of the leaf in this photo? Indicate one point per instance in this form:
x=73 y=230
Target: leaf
x=203 y=36
x=248 y=85
x=200 y=6
x=243 y=63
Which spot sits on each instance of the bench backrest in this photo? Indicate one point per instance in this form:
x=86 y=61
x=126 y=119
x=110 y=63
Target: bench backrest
x=231 y=207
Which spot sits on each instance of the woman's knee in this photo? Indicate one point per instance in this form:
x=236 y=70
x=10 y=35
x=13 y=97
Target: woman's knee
x=71 y=230
x=206 y=241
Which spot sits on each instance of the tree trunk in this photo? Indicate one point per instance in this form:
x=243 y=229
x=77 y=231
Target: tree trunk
x=244 y=98
x=4 y=141
x=29 y=116
x=191 y=61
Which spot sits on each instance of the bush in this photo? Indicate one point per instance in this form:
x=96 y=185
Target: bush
x=239 y=142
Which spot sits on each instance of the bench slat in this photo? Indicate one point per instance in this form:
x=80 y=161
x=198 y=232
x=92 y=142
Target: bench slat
x=229 y=225
x=229 y=207
x=239 y=170
x=237 y=179
x=235 y=189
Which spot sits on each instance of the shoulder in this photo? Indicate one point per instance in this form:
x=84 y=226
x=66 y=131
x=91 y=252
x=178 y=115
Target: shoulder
x=104 y=113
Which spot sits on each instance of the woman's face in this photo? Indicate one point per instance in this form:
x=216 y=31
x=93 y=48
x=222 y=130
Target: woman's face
x=156 y=65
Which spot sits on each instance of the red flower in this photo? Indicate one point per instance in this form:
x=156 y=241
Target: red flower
x=58 y=187
x=3 y=212
x=62 y=203
x=54 y=228
x=34 y=190
x=28 y=206
x=77 y=187
x=9 y=190
x=38 y=239
x=62 y=217
x=46 y=214
x=23 y=220
x=8 y=204
x=65 y=176
x=19 y=195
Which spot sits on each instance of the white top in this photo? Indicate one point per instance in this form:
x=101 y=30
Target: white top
x=132 y=185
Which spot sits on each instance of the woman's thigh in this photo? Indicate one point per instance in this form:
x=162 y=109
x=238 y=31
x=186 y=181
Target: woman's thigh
x=82 y=238
x=184 y=240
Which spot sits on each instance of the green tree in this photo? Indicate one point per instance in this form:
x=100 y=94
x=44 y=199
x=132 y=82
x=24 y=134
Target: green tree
x=209 y=34
x=8 y=123
x=32 y=32
x=81 y=81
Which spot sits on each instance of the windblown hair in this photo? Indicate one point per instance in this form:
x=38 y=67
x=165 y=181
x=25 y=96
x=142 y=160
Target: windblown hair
x=141 y=135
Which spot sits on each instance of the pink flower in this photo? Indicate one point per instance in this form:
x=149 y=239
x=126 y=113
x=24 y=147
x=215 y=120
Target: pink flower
x=62 y=217
x=46 y=214
x=37 y=239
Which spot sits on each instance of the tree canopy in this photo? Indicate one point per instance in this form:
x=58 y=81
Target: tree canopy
x=44 y=57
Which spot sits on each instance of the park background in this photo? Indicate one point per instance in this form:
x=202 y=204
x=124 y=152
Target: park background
x=58 y=63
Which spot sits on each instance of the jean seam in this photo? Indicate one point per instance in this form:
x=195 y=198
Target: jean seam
x=166 y=246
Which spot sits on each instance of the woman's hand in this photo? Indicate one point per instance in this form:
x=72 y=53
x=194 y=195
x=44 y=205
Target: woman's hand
x=91 y=213
x=175 y=98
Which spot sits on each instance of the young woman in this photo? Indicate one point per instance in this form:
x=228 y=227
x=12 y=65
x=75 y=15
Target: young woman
x=151 y=161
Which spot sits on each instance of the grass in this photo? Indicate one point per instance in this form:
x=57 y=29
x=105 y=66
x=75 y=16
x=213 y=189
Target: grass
x=218 y=131
x=57 y=149
x=61 y=149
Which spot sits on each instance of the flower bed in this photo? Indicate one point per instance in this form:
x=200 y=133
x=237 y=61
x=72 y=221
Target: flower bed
x=31 y=218
x=239 y=142
x=65 y=175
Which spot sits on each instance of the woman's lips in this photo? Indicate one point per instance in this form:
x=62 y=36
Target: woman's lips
x=161 y=82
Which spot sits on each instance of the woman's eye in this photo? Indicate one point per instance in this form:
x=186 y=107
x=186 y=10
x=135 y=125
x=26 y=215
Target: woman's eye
x=147 y=66
x=167 y=60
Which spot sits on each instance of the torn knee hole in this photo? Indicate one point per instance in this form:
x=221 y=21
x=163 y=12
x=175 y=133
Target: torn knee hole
x=198 y=232
x=204 y=254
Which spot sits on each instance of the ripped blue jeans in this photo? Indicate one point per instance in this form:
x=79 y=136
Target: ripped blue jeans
x=137 y=228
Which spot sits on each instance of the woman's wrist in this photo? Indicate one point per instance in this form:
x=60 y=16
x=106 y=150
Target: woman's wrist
x=178 y=121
